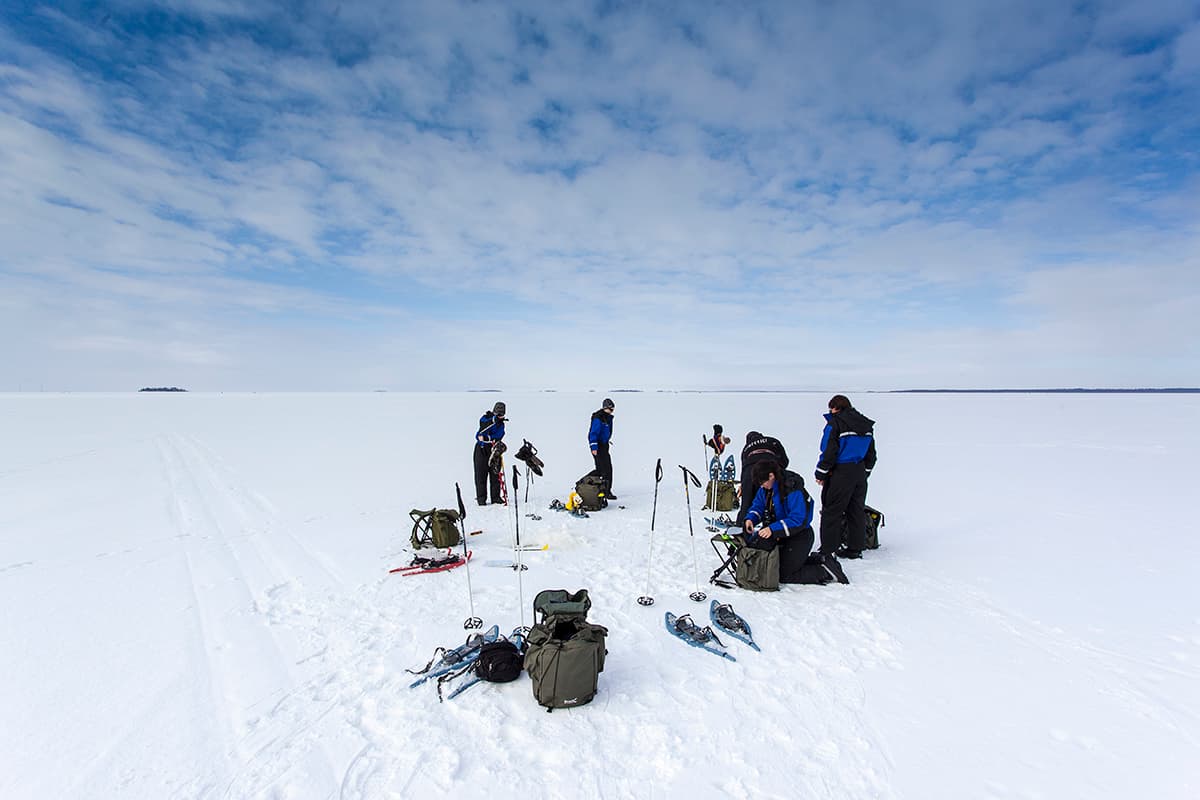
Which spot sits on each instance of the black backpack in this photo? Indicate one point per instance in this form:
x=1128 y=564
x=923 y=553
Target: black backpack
x=592 y=491
x=499 y=662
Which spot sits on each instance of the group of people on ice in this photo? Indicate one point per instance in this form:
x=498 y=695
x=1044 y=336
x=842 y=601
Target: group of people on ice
x=775 y=510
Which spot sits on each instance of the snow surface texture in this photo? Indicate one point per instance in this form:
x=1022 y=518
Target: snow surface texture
x=196 y=603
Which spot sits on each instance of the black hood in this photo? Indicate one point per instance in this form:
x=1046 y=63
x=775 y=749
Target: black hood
x=851 y=420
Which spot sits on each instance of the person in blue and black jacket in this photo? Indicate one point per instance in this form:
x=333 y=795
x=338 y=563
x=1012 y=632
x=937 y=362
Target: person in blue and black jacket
x=781 y=516
x=491 y=431
x=599 y=437
x=847 y=458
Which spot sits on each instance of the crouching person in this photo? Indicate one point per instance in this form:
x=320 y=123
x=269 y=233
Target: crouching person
x=781 y=517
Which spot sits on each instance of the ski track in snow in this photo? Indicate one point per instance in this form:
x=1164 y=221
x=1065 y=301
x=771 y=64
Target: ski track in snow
x=239 y=561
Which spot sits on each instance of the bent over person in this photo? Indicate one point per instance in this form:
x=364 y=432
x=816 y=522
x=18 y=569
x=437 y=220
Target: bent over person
x=759 y=449
x=491 y=431
x=847 y=458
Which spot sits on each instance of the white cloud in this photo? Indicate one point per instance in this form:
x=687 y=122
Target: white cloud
x=907 y=168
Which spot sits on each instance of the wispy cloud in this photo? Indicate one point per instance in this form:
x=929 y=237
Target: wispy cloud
x=354 y=195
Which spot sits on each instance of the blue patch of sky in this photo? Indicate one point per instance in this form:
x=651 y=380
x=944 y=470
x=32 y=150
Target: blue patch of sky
x=551 y=120
x=530 y=33
x=67 y=202
x=170 y=213
x=344 y=241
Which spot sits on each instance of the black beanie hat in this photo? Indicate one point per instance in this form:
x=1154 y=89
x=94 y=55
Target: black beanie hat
x=608 y=403
x=499 y=409
x=752 y=435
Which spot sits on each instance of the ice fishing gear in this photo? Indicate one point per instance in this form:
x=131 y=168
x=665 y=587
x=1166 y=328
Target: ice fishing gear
x=424 y=564
x=565 y=653
x=472 y=622
x=593 y=491
x=726 y=546
x=688 y=631
x=444 y=660
x=496 y=465
x=646 y=599
x=728 y=620
x=496 y=459
x=437 y=527
x=697 y=595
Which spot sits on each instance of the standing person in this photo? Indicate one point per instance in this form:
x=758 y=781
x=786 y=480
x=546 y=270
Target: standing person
x=847 y=458
x=599 y=437
x=491 y=431
x=758 y=449
x=718 y=441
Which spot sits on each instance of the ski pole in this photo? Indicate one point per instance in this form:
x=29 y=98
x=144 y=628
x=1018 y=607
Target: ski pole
x=697 y=595
x=517 y=551
x=646 y=599
x=472 y=621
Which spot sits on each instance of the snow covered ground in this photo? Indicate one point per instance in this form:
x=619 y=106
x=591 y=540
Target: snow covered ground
x=196 y=604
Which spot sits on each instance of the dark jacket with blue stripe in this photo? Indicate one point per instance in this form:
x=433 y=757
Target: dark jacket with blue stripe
x=849 y=438
x=790 y=511
x=490 y=430
x=600 y=431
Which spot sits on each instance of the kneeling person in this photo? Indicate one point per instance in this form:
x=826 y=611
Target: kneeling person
x=781 y=516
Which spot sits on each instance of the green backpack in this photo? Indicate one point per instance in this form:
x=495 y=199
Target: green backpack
x=874 y=523
x=564 y=653
x=757 y=570
x=721 y=496
x=592 y=491
x=437 y=527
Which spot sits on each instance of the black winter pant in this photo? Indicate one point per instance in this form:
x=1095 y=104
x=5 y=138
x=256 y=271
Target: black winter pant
x=484 y=477
x=843 y=503
x=603 y=463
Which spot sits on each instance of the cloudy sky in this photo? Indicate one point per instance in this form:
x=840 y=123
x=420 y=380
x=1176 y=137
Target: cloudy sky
x=230 y=195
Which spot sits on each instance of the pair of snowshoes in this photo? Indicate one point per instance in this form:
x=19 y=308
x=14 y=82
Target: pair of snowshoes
x=717 y=472
x=724 y=617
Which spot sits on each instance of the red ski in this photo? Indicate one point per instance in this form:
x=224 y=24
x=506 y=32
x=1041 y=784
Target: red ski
x=432 y=566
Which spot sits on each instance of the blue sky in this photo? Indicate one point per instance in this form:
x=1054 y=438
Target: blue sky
x=233 y=195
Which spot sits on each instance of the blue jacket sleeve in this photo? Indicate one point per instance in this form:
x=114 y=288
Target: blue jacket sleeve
x=829 y=451
x=757 y=506
x=595 y=432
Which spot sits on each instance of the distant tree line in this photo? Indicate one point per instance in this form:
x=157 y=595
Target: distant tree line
x=162 y=389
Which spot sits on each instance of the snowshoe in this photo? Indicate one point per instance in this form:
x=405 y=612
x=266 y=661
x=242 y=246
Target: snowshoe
x=728 y=620
x=714 y=468
x=444 y=660
x=688 y=631
x=729 y=471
